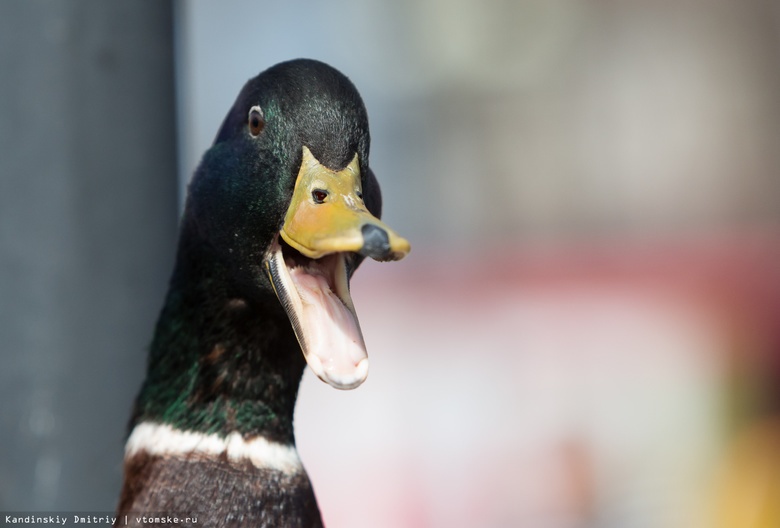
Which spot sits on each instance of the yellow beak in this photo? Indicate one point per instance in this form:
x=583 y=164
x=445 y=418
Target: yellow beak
x=327 y=215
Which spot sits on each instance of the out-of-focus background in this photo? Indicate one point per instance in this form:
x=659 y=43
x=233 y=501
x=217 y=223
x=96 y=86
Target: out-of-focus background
x=587 y=331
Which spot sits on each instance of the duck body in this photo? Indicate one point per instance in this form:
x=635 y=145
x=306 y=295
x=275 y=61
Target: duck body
x=215 y=492
x=280 y=213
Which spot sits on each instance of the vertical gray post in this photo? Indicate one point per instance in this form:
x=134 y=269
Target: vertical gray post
x=87 y=234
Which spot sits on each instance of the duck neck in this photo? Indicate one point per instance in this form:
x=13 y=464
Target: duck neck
x=220 y=363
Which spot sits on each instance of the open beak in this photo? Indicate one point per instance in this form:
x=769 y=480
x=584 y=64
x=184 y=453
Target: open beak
x=326 y=225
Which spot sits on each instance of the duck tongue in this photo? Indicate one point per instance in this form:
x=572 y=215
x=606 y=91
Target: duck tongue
x=315 y=295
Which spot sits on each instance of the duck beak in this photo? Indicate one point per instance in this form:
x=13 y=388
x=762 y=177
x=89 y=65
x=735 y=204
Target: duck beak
x=326 y=224
x=327 y=215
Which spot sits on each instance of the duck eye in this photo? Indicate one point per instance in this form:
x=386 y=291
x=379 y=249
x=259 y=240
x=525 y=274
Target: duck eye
x=359 y=195
x=319 y=195
x=256 y=121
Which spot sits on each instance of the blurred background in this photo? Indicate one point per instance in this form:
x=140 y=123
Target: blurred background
x=587 y=331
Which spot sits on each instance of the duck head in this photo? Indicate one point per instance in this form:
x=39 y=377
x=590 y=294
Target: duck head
x=286 y=202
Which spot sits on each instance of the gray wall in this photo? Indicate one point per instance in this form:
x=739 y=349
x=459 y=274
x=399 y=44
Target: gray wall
x=87 y=234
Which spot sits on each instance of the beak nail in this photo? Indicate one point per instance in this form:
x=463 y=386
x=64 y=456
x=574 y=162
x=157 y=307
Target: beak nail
x=376 y=243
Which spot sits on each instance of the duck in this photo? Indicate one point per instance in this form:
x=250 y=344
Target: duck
x=281 y=211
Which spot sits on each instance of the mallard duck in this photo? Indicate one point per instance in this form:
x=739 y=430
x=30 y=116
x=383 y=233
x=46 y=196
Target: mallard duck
x=280 y=212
